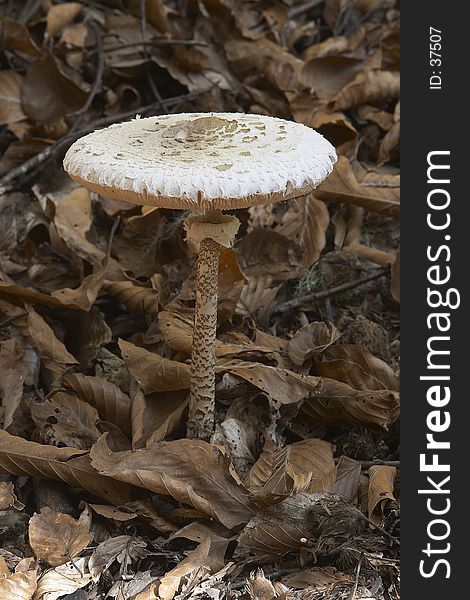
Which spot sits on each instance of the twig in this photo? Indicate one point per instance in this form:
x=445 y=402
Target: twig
x=295 y=11
x=337 y=289
x=9 y=320
x=6 y=182
x=356 y=583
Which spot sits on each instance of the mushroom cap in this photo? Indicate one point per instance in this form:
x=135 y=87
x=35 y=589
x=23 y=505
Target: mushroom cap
x=202 y=161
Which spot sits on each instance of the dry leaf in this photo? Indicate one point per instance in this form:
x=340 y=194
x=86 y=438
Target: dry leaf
x=51 y=350
x=18 y=586
x=122 y=548
x=20 y=457
x=136 y=298
x=348 y=474
x=310 y=340
x=306 y=222
x=14 y=371
x=342 y=186
x=111 y=402
x=153 y=372
x=60 y=15
x=337 y=403
x=381 y=479
x=63 y=419
x=357 y=367
x=369 y=87
x=15 y=36
x=193 y=472
x=206 y=557
x=63 y=580
x=299 y=467
x=10 y=97
x=8 y=498
x=55 y=537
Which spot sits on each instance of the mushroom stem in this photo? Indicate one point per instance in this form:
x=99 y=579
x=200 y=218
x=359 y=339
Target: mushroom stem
x=202 y=391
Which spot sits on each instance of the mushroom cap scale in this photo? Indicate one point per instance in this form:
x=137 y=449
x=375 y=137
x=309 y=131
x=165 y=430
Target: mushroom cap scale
x=202 y=161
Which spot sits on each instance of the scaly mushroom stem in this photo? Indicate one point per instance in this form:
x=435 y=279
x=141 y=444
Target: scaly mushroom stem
x=209 y=232
x=202 y=393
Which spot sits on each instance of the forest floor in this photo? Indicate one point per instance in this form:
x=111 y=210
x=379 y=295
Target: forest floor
x=101 y=493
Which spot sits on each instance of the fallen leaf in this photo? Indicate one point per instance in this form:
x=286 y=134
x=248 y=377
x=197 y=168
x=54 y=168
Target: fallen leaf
x=43 y=339
x=55 y=537
x=10 y=97
x=21 y=457
x=15 y=36
x=18 y=586
x=193 y=472
x=8 y=498
x=369 y=87
x=395 y=279
x=122 y=548
x=306 y=222
x=348 y=474
x=136 y=298
x=337 y=403
x=357 y=367
x=111 y=402
x=299 y=467
x=60 y=15
x=310 y=340
x=63 y=419
x=381 y=480
x=47 y=95
x=206 y=557
x=14 y=371
x=342 y=186
x=63 y=580
x=153 y=372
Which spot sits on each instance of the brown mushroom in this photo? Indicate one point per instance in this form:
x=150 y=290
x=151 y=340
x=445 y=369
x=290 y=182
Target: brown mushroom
x=206 y=163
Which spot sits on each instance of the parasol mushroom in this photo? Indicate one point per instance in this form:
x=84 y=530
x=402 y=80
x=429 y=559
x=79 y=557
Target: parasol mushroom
x=205 y=163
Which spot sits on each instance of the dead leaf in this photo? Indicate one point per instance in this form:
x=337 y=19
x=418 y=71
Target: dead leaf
x=63 y=419
x=136 y=298
x=55 y=537
x=310 y=340
x=153 y=372
x=193 y=472
x=206 y=557
x=21 y=457
x=14 y=371
x=348 y=474
x=18 y=586
x=111 y=402
x=337 y=403
x=47 y=95
x=326 y=76
x=60 y=15
x=15 y=36
x=381 y=479
x=122 y=548
x=306 y=222
x=357 y=367
x=8 y=498
x=342 y=186
x=63 y=580
x=10 y=97
x=299 y=467
x=369 y=87
x=281 y=385
x=51 y=350
x=156 y=416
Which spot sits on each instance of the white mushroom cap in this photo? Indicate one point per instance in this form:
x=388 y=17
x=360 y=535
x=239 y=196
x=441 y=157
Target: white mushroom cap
x=202 y=160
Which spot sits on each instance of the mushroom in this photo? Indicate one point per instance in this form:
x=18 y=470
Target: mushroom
x=205 y=163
